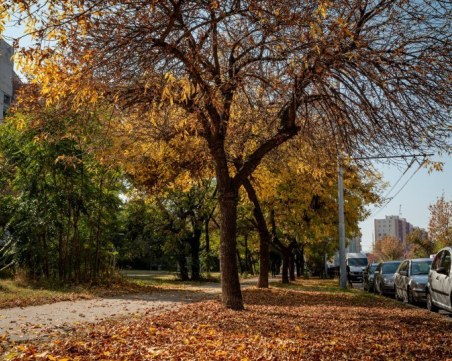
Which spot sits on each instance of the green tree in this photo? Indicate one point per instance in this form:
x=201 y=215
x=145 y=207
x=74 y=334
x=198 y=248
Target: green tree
x=63 y=202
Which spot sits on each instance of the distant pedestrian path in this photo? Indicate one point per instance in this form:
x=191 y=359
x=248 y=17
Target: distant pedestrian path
x=55 y=319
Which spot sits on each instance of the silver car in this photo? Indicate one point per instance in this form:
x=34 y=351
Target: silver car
x=384 y=277
x=439 y=286
x=410 y=280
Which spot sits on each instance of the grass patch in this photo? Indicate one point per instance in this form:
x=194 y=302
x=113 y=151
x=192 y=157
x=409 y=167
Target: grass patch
x=20 y=293
x=312 y=284
x=165 y=279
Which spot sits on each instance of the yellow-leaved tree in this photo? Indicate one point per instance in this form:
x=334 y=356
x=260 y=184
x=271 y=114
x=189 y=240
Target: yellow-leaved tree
x=356 y=66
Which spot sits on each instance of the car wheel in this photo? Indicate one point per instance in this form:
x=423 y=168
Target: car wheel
x=380 y=290
x=430 y=306
x=409 y=296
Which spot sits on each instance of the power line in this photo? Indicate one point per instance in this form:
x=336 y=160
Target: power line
x=394 y=156
x=401 y=188
x=417 y=170
x=398 y=180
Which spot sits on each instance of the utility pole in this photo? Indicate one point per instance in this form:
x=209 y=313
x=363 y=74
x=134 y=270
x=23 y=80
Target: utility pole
x=340 y=187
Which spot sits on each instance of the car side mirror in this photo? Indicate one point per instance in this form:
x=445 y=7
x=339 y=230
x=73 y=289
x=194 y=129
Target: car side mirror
x=403 y=273
x=443 y=271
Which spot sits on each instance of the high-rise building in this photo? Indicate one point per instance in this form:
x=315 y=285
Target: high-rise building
x=392 y=226
x=6 y=77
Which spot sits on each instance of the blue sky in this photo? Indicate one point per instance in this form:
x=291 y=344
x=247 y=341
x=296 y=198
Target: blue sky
x=413 y=200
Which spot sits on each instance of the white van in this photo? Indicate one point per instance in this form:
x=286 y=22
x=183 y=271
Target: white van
x=356 y=263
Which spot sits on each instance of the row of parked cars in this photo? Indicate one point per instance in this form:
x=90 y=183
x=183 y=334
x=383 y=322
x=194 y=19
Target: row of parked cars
x=421 y=280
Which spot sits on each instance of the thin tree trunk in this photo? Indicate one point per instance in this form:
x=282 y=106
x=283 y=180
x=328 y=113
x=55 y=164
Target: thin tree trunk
x=195 y=246
x=98 y=229
x=183 y=270
x=285 y=267
x=264 y=235
x=292 y=266
x=206 y=232
x=302 y=265
x=45 y=252
x=239 y=262
x=60 y=255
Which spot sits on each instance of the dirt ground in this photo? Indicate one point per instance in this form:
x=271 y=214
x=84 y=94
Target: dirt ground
x=53 y=320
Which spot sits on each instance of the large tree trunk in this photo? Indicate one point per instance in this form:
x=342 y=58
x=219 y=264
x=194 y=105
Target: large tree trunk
x=264 y=235
x=230 y=284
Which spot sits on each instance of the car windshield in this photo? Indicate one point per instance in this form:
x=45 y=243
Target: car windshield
x=420 y=268
x=390 y=267
x=372 y=268
x=357 y=262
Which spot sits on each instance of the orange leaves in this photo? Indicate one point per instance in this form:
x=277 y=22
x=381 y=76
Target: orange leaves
x=276 y=324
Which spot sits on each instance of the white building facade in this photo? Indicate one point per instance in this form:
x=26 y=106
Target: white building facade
x=6 y=77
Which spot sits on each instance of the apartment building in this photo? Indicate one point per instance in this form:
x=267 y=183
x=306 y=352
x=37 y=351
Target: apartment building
x=6 y=77
x=393 y=226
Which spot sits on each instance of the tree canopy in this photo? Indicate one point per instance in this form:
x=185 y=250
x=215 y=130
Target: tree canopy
x=372 y=76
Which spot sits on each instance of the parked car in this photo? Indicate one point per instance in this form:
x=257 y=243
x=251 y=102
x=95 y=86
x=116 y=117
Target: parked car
x=439 y=286
x=384 y=277
x=411 y=279
x=355 y=262
x=369 y=276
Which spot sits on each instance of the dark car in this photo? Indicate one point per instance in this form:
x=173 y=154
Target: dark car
x=368 y=277
x=384 y=277
x=411 y=279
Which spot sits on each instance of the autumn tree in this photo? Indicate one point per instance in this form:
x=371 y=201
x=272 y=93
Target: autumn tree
x=420 y=244
x=388 y=248
x=376 y=72
x=294 y=194
x=440 y=222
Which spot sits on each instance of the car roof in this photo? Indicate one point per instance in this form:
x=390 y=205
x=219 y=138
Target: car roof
x=442 y=249
x=421 y=259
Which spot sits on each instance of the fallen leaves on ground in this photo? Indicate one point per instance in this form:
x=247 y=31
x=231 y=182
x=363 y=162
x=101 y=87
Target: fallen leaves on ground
x=277 y=324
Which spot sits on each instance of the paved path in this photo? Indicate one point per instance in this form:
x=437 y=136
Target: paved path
x=51 y=320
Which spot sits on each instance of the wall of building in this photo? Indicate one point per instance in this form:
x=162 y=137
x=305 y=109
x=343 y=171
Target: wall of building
x=6 y=76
